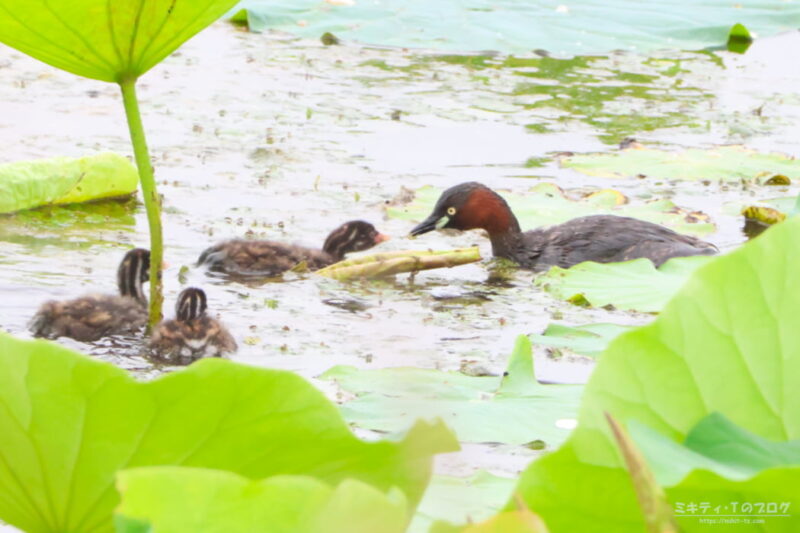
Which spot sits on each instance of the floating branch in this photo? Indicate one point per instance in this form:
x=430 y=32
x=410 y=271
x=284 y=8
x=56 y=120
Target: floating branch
x=389 y=263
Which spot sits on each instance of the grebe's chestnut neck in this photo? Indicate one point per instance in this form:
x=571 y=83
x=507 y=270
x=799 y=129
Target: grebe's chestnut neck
x=472 y=205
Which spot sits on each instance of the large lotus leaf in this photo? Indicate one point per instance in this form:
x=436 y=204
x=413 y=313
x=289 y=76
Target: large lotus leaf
x=724 y=163
x=588 y=339
x=514 y=409
x=727 y=343
x=715 y=444
x=104 y=40
x=458 y=500
x=633 y=285
x=585 y=27
x=69 y=423
x=722 y=469
x=65 y=180
x=768 y=501
x=520 y=521
x=546 y=204
x=196 y=500
x=717 y=437
x=736 y=207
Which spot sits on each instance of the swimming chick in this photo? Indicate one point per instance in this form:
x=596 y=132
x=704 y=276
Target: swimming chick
x=192 y=335
x=92 y=317
x=269 y=258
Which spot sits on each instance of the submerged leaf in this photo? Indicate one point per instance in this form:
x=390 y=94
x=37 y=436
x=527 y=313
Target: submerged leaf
x=633 y=285
x=458 y=500
x=70 y=226
x=69 y=423
x=108 y=41
x=194 y=500
x=781 y=204
x=514 y=409
x=65 y=180
x=588 y=339
x=724 y=163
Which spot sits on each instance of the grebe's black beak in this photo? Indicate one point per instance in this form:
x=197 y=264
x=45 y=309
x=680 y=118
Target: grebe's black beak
x=429 y=224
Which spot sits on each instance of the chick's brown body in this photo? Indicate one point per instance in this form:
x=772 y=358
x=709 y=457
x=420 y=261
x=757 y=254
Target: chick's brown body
x=264 y=258
x=180 y=343
x=239 y=257
x=89 y=318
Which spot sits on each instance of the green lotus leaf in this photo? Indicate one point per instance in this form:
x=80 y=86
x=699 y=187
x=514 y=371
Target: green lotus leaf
x=108 y=41
x=714 y=444
x=513 y=409
x=782 y=204
x=588 y=339
x=724 y=163
x=725 y=343
x=768 y=501
x=457 y=500
x=69 y=423
x=518 y=521
x=739 y=39
x=592 y=26
x=547 y=204
x=721 y=471
x=632 y=285
x=65 y=180
x=197 y=500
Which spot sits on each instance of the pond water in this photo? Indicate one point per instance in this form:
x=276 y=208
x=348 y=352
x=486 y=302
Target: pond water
x=272 y=136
